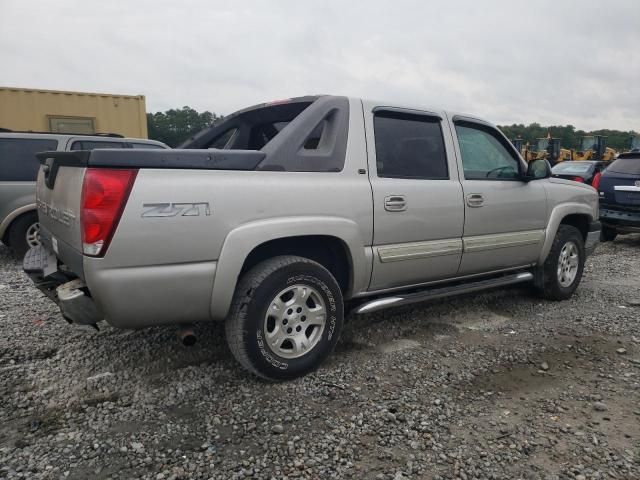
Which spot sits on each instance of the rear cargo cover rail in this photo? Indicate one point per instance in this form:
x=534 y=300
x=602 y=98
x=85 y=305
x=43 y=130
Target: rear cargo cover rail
x=140 y=158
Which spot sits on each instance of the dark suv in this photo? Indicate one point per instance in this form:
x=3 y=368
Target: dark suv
x=19 y=226
x=620 y=196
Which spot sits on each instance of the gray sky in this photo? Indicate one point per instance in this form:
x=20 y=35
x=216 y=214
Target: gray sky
x=552 y=62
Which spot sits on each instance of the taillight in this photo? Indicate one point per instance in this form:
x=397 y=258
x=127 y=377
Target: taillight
x=578 y=179
x=595 y=183
x=104 y=196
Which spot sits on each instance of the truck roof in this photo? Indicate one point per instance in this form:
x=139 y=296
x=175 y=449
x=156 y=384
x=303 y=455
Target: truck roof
x=199 y=139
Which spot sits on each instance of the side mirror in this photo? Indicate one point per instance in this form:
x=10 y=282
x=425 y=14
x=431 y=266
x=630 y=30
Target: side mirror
x=537 y=170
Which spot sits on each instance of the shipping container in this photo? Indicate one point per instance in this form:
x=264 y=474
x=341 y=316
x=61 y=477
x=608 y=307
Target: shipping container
x=24 y=109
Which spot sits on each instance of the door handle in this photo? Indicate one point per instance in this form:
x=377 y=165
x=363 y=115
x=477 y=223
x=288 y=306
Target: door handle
x=395 y=203
x=475 y=200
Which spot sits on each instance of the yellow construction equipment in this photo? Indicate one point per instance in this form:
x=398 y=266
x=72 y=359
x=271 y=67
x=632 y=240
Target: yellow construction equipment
x=525 y=148
x=550 y=148
x=594 y=147
x=518 y=143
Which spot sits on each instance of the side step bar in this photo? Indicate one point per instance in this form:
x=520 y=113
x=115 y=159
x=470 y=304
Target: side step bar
x=423 y=295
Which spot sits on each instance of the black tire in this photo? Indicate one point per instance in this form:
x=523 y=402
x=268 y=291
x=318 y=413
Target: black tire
x=17 y=237
x=608 y=234
x=246 y=329
x=547 y=282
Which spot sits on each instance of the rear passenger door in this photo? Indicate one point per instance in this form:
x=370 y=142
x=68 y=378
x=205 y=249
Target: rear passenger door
x=417 y=198
x=505 y=217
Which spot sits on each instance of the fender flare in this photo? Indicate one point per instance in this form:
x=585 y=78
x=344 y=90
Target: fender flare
x=558 y=213
x=8 y=220
x=243 y=239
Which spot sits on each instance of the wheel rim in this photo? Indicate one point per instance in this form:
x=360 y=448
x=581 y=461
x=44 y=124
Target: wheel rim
x=294 y=321
x=32 y=236
x=568 y=264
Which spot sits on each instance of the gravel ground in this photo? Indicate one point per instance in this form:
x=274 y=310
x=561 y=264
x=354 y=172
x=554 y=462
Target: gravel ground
x=492 y=385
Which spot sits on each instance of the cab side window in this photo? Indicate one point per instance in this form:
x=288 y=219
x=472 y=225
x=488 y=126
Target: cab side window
x=409 y=146
x=485 y=155
x=224 y=140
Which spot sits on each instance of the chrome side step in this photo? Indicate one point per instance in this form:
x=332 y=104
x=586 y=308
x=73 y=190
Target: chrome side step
x=423 y=295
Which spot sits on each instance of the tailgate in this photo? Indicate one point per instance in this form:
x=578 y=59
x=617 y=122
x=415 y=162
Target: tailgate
x=61 y=176
x=58 y=196
x=621 y=189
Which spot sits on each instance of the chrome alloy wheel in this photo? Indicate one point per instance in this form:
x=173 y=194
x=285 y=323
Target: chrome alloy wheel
x=568 y=264
x=294 y=321
x=32 y=235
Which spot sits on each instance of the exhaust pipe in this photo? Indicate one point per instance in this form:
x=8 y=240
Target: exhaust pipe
x=187 y=336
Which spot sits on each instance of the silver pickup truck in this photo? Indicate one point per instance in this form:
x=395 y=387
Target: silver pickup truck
x=287 y=215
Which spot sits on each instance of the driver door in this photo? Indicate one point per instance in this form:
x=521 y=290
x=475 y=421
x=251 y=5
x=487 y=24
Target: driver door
x=505 y=217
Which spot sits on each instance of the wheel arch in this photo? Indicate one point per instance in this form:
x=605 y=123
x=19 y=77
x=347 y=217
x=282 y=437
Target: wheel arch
x=575 y=214
x=317 y=238
x=329 y=251
x=5 y=226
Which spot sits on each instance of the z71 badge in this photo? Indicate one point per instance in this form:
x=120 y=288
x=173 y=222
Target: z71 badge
x=175 y=209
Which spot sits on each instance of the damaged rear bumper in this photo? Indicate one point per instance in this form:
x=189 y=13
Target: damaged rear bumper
x=68 y=292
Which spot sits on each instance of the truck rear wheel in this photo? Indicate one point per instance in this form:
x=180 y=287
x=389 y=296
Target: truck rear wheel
x=286 y=317
x=24 y=233
x=561 y=272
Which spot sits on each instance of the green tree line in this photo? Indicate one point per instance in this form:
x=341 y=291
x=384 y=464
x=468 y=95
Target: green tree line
x=570 y=137
x=176 y=125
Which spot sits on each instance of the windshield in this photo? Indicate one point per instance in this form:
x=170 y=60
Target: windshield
x=571 y=168
x=635 y=143
x=588 y=143
x=543 y=143
x=625 y=165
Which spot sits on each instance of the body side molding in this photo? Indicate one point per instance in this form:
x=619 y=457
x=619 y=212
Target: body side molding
x=414 y=250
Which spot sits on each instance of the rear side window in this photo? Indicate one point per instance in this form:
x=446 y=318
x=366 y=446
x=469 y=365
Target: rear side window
x=224 y=140
x=625 y=165
x=93 y=144
x=409 y=146
x=147 y=145
x=260 y=135
x=251 y=129
x=18 y=160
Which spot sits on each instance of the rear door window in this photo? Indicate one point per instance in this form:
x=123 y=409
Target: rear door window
x=625 y=165
x=409 y=146
x=18 y=160
x=94 y=144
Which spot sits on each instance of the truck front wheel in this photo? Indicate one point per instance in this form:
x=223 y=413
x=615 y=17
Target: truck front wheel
x=286 y=317
x=560 y=274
